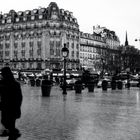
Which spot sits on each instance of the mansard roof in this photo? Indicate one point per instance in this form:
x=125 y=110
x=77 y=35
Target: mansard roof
x=52 y=12
x=103 y=31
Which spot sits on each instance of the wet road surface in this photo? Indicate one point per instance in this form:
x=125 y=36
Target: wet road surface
x=111 y=115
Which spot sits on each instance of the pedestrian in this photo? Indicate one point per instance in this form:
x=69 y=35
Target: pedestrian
x=11 y=100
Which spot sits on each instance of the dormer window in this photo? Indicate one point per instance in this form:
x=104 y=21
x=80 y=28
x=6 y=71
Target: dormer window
x=5 y=15
x=27 y=12
x=43 y=10
x=75 y=20
x=67 y=12
x=32 y=17
x=20 y=13
x=35 y=11
x=54 y=8
x=62 y=11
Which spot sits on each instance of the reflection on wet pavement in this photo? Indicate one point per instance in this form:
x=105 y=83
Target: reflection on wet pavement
x=87 y=116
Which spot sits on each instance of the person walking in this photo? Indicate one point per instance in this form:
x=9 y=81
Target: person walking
x=10 y=105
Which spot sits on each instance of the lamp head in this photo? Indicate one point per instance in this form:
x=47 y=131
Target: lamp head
x=65 y=51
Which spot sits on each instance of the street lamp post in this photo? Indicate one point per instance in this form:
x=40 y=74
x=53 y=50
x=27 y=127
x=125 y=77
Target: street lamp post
x=103 y=65
x=65 y=53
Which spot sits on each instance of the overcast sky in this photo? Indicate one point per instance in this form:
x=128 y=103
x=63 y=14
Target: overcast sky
x=117 y=15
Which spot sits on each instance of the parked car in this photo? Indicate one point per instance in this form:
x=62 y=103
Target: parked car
x=71 y=83
x=99 y=84
x=15 y=74
x=134 y=83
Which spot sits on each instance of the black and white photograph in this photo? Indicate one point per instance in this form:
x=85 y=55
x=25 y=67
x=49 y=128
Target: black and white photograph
x=70 y=70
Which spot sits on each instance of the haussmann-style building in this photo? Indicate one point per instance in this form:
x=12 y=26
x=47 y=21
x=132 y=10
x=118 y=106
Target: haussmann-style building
x=33 y=39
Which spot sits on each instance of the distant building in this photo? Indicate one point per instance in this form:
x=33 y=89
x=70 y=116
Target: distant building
x=90 y=44
x=96 y=48
x=112 y=40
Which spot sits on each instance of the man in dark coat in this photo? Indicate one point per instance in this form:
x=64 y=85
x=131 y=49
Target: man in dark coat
x=11 y=100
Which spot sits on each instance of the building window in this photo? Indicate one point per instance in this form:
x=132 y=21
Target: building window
x=31 y=53
x=72 y=53
x=7 y=53
x=30 y=65
x=24 y=18
x=39 y=66
x=77 y=54
x=32 y=17
x=51 y=51
x=7 y=36
x=23 y=44
x=31 y=34
x=57 y=52
x=1 y=46
x=51 y=44
x=7 y=45
x=2 y=37
x=58 y=44
x=77 y=46
x=72 y=45
x=39 y=51
x=31 y=43
x=68 y=44
x=32 y=26
x=1 y=54
x=39 y=43
x=3 y=21
x=15 y=45
x=16 y=36
x=17 y=19
x=23 y=53
x=39 y=34
x=40 y=16
x=23 y=65
x=40 y=24
x=16 y=54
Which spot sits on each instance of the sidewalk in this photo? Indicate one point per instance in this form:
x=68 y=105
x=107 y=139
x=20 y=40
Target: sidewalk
x=111 y=115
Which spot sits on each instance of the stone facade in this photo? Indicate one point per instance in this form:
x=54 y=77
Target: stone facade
x=89 y=46
x=33 y=39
